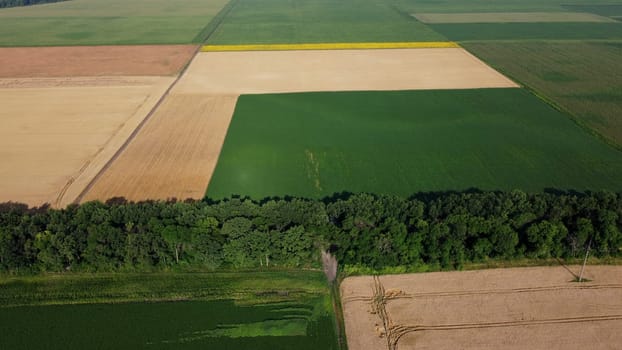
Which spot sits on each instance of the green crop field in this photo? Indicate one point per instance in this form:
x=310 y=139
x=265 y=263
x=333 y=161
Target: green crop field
x=99 y=22
x=301 y=21
x=316 y=144
x=253 y=310
x=529 y=31
x=461 y=6
x=611 y=9
x=581 y=77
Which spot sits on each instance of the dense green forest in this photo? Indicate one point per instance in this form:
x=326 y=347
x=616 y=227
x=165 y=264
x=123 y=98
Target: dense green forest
x=16 y=3
x=441 y=230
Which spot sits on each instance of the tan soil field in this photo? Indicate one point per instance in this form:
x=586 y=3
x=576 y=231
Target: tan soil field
x=58 y=133
x=510 y=17
x=337 y=70
x=32 y=62
x=174 y=153
x=518 y=308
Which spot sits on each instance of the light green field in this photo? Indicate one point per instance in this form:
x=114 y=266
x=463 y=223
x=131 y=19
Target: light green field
x=511 y=17
x=303 y=21
x=581 y=77
x=458 y=6
x=316 y=144
x=99 y=22
x=529 y=31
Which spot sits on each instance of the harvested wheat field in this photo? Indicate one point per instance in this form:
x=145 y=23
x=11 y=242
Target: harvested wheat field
x=173 y=155
x=337 y=70
x=30 y=62
x=518 y=308
x=58 y=133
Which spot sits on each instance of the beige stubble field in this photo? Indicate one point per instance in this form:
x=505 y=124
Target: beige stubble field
x=173 y=155
x=257 y=72
x=58 y=133
x=534 y=308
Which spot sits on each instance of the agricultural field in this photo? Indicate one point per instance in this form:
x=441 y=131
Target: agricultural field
x=254 y=310
x=261 y=72
x=91 y=61
x=173 y=155
x=103 y=22
x=517 y=308
x=530 y=31
x=299 y=21
x=511 y=17
x=475 y=6
x=89 y=101
x=584 y=78
x=56 y=146
x=316 y=144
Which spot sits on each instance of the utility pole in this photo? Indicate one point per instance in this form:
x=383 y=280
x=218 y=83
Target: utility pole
x=587 y=252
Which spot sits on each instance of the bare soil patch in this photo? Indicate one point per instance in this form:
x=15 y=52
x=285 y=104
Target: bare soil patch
x=94 y=60
x=510 y=17
x=174 y=153
x=337 y=70
x=54 y=140
x=520 y=308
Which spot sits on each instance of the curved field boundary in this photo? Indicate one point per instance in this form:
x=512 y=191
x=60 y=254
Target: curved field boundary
x=330 y=46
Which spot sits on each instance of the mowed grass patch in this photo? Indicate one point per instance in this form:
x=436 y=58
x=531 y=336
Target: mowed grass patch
x=584 y=78
x=100 y=22
x=402 y=142
x=529 y=31
x=323 y=21
x=236 y=310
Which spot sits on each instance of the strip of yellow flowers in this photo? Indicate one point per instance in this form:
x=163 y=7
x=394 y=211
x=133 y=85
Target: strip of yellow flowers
x=330 y=46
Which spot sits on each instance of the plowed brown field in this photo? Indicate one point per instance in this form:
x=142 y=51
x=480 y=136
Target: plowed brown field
x=173 y=155
x=58 y=133
x=31 y=62
x=520 y=308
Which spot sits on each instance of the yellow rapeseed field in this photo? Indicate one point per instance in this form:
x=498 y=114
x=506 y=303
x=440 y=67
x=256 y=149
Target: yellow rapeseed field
x=330 y=46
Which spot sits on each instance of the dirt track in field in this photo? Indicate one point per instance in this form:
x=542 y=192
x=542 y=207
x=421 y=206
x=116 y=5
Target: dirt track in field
x=55 y=139
x=337 y=70
x=173 y=155
x=30 y=62
x=521 y=308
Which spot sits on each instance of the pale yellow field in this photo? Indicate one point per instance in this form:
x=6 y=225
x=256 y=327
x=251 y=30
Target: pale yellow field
x=173 y=155
x=510 y=17
x=58 y=133
x=330 y=46
x=258 y=72
x=520 y=308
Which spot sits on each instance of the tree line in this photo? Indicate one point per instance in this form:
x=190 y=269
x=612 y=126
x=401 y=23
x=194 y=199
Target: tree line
x=443 y=230
x=16 y=3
